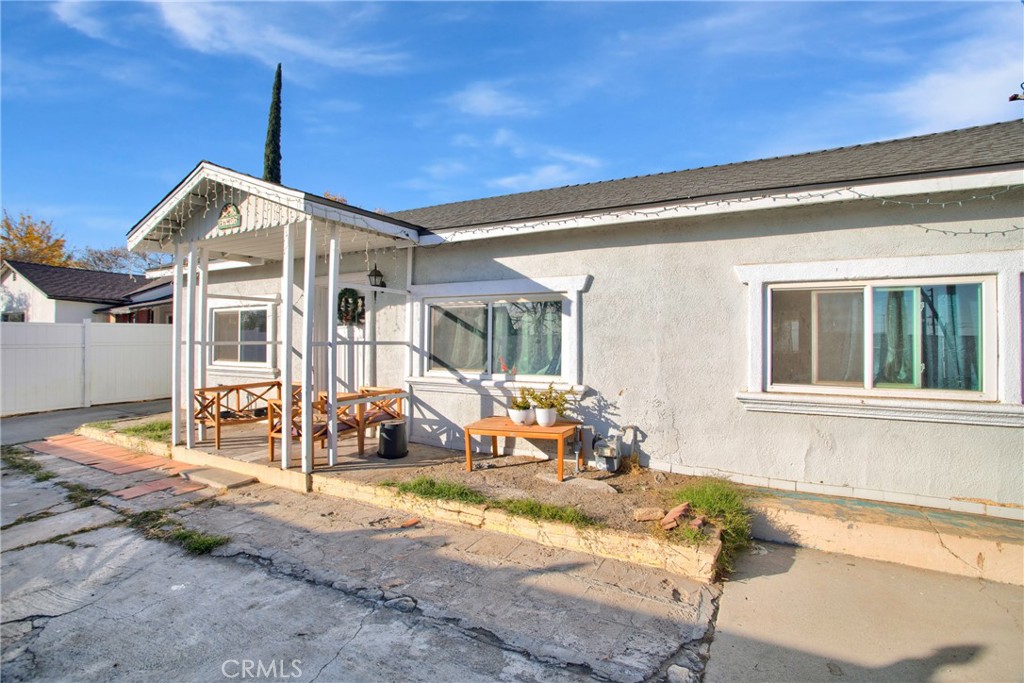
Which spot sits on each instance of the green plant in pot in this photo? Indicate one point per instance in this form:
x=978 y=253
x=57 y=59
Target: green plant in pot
x=520 y=410
x=549 y=403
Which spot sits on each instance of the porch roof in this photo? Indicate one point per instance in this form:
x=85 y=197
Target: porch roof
x=190 y=211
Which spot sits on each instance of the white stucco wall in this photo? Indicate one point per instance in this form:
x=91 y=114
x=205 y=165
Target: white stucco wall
x=665 y=349
x=18 y=294
x=664 y=346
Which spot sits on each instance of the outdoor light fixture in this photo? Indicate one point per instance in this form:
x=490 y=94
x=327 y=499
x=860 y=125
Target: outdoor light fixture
x=376 y=277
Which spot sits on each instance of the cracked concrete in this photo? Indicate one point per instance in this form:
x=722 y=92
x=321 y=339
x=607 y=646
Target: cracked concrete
x=343 y=587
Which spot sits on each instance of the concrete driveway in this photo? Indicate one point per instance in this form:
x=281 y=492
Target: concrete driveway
x=37 y=426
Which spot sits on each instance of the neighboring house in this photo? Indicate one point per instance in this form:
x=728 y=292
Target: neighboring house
x=33 y=292
x=150 y=302
x=845 y=322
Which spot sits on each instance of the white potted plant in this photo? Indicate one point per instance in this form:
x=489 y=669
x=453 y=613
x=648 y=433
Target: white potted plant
x=549 y=404
x=519 y=409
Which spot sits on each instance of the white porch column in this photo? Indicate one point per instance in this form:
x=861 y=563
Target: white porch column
x=284 y=358
x=333 y=386
x=190 y=347
x=203 y=324
x=371 y=340
x=176 y=348
x=308 y=311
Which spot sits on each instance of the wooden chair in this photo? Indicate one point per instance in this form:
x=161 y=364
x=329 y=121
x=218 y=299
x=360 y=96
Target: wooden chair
x=230 y=404
x=348 y=418
x=383 y=408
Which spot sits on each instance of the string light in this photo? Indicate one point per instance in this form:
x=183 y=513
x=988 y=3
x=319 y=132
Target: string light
x=970 y=231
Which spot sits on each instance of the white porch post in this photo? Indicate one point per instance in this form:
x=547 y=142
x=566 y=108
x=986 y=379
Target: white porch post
x=284 y=359
x=371 y=341
x=308 y=308
x=332 y=345
x=203 y=324
x=176 y=349
x=190 y=347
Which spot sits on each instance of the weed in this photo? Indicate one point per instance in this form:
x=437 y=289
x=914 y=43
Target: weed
x=157 y=525
x=722 y=503
x=18 y=459
x=81 y=496
x=196 y=542
x=532 y=509
x=425 y=487
x=158 y=430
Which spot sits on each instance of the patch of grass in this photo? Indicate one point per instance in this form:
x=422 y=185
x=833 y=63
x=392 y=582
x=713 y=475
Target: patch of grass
x=103 y=424
x=158 y=430
x=197 y=542
x=532 y=509
x=722 y=503
x=426 y=487
x=81 y=496
x=157 y=525
x=18 y=459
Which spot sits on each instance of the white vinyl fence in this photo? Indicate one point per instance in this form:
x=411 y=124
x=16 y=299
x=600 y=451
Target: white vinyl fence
x=49 y=366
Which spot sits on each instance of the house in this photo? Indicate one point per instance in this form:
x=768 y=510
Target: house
x=38 y=293
x=844 y=322
x=149 y=302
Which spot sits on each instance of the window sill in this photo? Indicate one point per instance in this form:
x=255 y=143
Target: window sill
x=495 y=387
x=259 y=372
x=907 y=409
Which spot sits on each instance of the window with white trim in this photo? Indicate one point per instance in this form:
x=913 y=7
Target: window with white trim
x=497 y=336
x=240 y=335
x=916 y=338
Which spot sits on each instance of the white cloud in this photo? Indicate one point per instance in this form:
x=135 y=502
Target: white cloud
x=486 y=99
x=539 y=177
x=969 y=85
x=446 y=168
x=81 y=16
x=265 y=35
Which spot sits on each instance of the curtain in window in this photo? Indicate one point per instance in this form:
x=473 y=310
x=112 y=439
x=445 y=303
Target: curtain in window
x=894 y=342
x=840 y=346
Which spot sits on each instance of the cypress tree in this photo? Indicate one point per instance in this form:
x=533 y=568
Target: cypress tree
x=272 y=150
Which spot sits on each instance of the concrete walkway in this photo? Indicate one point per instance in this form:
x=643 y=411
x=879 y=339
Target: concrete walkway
x=794 y=614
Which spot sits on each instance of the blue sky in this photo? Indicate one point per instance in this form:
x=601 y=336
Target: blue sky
x=106 y=106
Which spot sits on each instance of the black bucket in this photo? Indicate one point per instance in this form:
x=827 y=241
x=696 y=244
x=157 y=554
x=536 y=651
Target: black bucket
x=392 y=442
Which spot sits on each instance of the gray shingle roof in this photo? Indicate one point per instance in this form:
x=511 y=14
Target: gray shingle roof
x=991 y=145
x=78 y=284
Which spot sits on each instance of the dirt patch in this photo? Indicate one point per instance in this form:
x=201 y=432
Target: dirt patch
x=525 y=477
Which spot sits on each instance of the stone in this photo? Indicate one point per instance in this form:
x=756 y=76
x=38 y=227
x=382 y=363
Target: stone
x=669 y=525
x=676 y=513
x=402 y=604
x=698 y=522
x=648 y=514
x=679 y=674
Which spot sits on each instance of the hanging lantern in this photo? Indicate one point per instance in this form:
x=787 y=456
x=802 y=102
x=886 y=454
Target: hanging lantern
x=376 y=277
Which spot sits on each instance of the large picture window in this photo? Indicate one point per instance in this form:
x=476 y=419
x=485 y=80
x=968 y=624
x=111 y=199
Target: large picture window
x=899 y=335
x=240 y=335
x=522 y=337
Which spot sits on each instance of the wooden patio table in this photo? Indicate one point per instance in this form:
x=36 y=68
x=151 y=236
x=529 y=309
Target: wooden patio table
x=502 y=426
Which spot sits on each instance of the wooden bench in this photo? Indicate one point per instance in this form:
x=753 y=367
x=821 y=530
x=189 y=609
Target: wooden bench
x=231 y=404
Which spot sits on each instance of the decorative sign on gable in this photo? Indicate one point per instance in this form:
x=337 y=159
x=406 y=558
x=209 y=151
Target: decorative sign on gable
x=230 y=217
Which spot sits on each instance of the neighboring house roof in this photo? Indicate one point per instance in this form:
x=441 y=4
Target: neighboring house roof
x=78 y=284
x=971 y=148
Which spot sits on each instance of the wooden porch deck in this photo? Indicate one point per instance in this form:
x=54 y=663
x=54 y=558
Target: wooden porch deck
x=248 y=443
